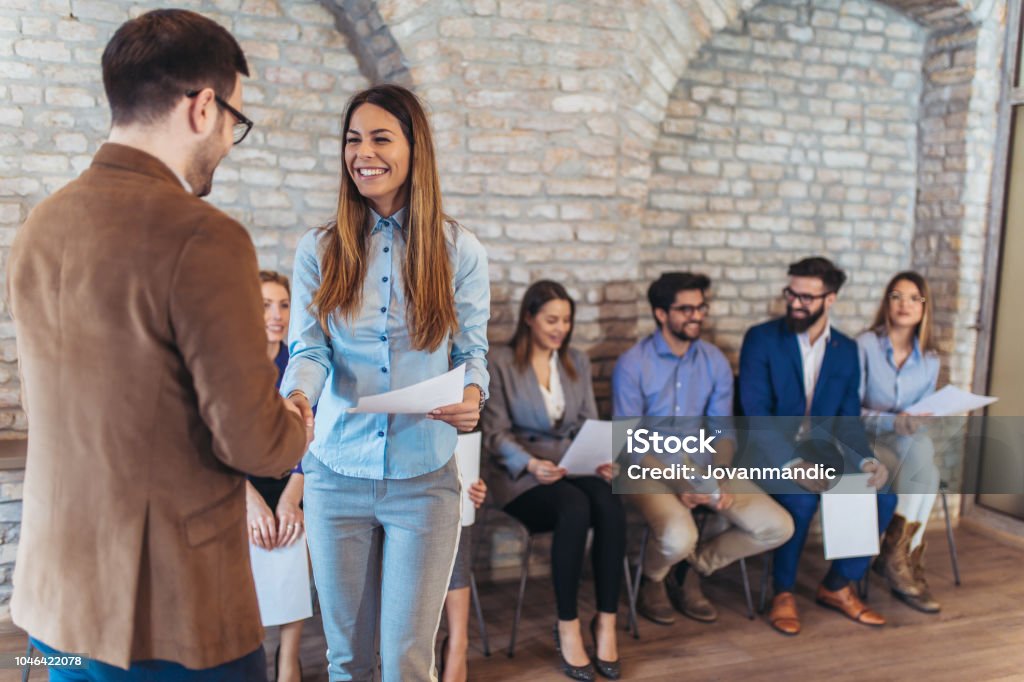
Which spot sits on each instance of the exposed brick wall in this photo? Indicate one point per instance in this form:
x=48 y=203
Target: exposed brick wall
x=792 y=133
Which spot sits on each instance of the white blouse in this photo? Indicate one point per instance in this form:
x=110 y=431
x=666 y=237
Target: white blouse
x=554 y=398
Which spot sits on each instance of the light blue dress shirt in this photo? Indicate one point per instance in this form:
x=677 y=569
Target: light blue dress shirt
x=374 y=354
x=887 y=390
x=650 y=381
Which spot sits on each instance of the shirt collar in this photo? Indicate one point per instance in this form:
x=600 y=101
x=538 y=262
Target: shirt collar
x=805 y=339
x=661 y=346
x=886 y=343
x=397 y=219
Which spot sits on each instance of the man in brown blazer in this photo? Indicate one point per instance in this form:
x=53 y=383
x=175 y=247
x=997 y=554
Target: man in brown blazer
x=145 y=378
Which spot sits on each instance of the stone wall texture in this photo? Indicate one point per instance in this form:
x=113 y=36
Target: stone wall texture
x=598 y=142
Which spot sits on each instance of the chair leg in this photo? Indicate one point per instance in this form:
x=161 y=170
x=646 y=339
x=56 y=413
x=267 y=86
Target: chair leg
x=639 y=571
x=523 y=574
x=479 y=614
x=26 y=669
x=629 y=591
x=746 y=589
x=766 y=571
x=949 y=539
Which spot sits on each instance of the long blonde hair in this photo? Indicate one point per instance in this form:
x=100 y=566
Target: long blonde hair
x=427 y=270
x=881 y=324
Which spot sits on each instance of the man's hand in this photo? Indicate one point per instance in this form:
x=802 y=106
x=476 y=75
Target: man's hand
x=725 y=499
x=692 y=500
x=463 y=416
x=879 y=474
x=299 y=404
x=815 y=485
x=544 y=471
x=259 y=519
x=907 y=424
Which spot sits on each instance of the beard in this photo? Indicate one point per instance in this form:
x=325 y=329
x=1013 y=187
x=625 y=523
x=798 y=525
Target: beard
x=798 y=325
x=200 y=169
x=683 y=336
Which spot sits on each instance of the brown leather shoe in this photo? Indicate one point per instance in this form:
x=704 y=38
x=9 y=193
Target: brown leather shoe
x=846 y=602
x=783 y=616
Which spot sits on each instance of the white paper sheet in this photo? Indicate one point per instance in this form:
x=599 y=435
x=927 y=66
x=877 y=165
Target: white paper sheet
x=420 y=398
x=591 y=448
x=467 y=455
x=849 y=518
x=282 y=582
x=950 y=400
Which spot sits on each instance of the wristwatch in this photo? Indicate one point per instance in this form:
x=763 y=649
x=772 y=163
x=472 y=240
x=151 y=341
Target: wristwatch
x=483 y=397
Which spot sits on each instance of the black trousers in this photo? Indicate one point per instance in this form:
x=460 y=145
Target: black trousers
x=570 y=507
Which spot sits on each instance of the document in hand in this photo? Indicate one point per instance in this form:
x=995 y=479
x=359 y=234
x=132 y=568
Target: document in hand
x=591 y=448
x=950 y=400
x=282 y=583
x=849 y=518
x=419 y=398
x=467 y=455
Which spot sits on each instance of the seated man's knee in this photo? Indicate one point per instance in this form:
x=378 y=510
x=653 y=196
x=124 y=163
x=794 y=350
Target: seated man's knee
x=678 y=540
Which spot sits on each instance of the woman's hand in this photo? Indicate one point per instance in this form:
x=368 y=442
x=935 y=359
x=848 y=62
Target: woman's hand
x=478 y=493
x=259 y=519
x=463 y=416
x=544 y=471
x=607 y=471
x=289 y=522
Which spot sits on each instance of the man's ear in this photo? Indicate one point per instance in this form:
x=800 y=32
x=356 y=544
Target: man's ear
x=202 y=111
x=661 y=316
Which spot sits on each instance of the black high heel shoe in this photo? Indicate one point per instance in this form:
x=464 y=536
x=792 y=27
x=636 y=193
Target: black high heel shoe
x=610 y=669
x=576 y=672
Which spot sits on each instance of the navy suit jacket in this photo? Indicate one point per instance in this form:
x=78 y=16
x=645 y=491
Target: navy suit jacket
x=771 y=384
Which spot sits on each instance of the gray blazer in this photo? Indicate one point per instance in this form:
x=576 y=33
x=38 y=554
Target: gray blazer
x=516 y=425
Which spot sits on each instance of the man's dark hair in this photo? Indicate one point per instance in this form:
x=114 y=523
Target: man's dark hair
x=822 y=268
x=154 y=59
x=662 y=292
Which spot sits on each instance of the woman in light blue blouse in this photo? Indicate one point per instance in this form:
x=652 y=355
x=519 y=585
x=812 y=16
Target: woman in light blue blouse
x=900 y=366
x=389 y=294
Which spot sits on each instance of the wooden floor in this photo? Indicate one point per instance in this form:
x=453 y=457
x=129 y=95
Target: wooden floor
x=978 y=636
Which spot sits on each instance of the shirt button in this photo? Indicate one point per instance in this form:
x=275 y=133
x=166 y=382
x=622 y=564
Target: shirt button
x=380 y=434
x=383 y=337
x=383 y=370
x=679 y=384
x=386 y=249
x=383 y=279
x=383 y=309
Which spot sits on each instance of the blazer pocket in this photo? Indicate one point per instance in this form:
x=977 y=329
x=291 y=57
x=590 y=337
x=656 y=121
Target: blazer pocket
x=206 y=524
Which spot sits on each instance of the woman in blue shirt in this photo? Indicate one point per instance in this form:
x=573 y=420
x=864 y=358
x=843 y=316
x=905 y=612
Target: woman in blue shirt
x=900 y=366
x=389 y=294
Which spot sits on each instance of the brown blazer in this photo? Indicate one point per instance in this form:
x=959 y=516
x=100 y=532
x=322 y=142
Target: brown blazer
x=148 y=393
x=516 y=426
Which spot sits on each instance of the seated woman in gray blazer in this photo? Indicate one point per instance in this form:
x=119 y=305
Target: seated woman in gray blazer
x=540 y=396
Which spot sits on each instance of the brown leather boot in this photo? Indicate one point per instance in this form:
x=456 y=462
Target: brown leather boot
x=924 y=602
x=688 y=598
x=893 y=560
x=652 y=602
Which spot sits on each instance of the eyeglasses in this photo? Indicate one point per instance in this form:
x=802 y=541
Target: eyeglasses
x=897 y=297
x=689 y=310
x=805 y=299
x=238 y=130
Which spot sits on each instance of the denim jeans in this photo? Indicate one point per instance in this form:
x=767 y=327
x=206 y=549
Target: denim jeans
x=382 y=554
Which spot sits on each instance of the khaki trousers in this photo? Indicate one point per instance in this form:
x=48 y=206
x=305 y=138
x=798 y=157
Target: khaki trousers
x=755 y=523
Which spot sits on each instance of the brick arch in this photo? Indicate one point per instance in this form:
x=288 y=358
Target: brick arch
x=379 y=55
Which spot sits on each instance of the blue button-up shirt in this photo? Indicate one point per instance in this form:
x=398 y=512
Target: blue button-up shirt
x=374 y=354
x=887 y=390
x=650 y=381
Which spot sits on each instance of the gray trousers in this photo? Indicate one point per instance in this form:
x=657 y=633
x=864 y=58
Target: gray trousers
x=382 y=554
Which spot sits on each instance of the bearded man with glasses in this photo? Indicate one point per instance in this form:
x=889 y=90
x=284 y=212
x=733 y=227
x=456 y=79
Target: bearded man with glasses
x=675 y=375
x=146 y=380
x=805 y=375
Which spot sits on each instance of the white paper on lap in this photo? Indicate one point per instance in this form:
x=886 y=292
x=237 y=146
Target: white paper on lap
x=849 y=518
x=282 y=582
x=950 y=400
x=467 y=455
x=591 y=448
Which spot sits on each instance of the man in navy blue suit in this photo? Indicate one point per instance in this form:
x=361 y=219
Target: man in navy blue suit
x=799 y=367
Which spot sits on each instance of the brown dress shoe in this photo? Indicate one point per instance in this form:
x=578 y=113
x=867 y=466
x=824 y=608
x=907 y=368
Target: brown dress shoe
x=846 y=602
x=783 y=616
